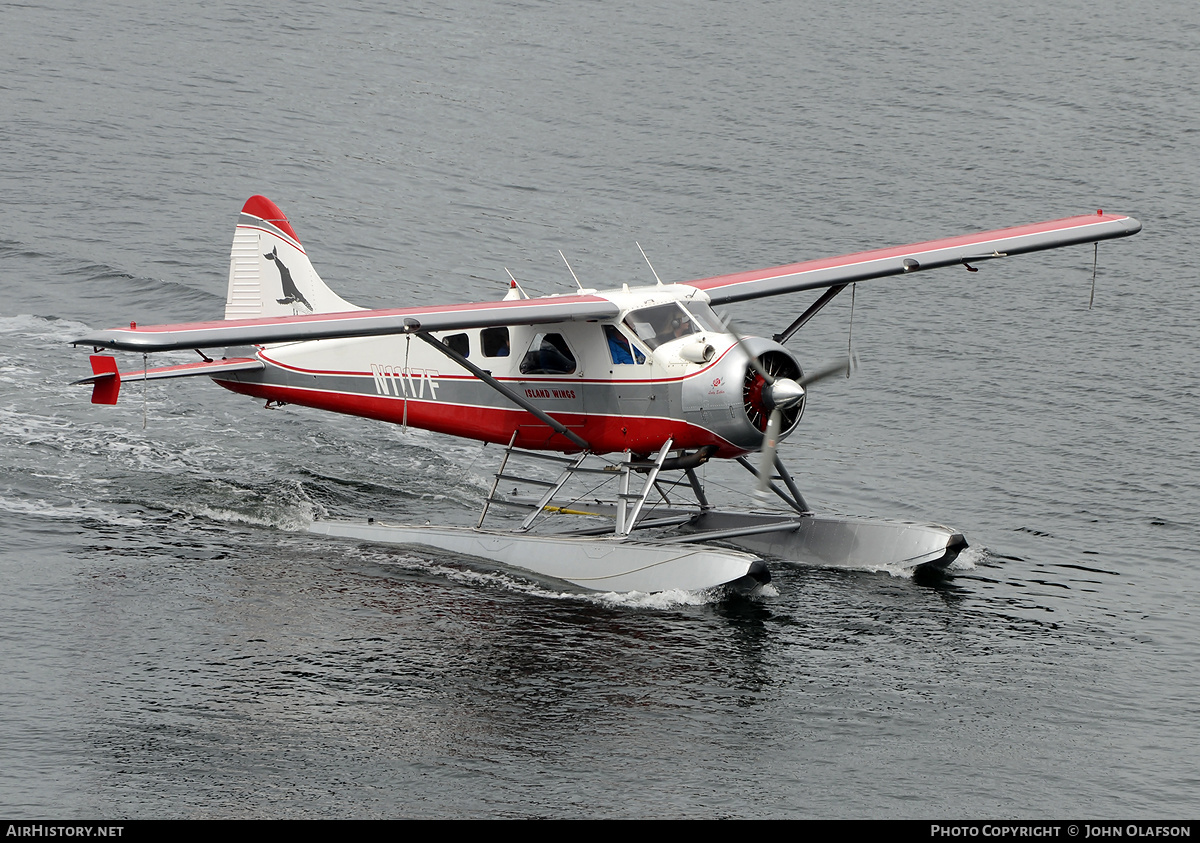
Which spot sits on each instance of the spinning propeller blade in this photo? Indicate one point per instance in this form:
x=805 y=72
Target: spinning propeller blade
x=766 y=459
x=786 y=393
x=844 y=366
x=741 y=343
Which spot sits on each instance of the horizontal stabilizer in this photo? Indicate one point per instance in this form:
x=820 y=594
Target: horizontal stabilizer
x=106 y=380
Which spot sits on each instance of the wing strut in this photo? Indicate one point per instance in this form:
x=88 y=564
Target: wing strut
x=812 y=311
x=555 y=424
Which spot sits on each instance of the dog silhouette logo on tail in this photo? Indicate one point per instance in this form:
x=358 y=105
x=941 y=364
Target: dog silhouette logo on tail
x=291 y=294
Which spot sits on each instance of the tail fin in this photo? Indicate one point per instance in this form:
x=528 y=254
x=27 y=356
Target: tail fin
x=269 y=273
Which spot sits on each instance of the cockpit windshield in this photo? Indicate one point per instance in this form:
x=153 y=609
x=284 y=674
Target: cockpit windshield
x=706 y=317
x=665 y=323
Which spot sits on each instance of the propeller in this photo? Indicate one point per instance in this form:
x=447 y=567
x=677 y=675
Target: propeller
x=783 y=394
x=780 y=394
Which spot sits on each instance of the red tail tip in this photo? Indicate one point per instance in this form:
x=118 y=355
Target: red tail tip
x=268 y=211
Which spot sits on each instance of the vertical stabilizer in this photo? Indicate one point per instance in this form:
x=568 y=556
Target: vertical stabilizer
x=269 y=272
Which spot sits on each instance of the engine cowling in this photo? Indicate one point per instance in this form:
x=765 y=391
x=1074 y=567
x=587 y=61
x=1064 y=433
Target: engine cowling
x=734 y=401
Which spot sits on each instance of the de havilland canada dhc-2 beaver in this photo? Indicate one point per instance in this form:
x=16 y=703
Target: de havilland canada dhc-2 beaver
x=617 y=396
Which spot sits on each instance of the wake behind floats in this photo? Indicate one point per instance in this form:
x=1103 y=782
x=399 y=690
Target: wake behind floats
x=606 y=403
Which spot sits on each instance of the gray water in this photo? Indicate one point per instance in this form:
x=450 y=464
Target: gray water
x=173 y=644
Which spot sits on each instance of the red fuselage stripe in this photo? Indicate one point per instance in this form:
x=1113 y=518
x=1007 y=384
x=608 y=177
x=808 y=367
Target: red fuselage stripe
x=606 y=434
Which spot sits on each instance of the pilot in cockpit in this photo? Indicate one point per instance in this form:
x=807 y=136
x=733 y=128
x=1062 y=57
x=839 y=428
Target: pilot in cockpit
x=677 y=325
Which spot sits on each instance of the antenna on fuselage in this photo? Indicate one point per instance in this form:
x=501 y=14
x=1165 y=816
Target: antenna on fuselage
x=573 y=275
x=643 y=251
x=517 y=284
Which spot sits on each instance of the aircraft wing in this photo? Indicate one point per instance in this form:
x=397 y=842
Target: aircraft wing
x=354 y=323
x=879 y=263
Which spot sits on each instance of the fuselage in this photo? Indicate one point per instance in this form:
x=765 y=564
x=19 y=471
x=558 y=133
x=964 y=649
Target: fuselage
x=665 y=368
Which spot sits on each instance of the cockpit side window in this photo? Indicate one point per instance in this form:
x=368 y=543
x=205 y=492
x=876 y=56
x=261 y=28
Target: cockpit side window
x=622 y=351
x=548 y=354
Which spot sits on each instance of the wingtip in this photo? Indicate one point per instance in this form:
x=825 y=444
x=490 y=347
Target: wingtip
x=1128 y=224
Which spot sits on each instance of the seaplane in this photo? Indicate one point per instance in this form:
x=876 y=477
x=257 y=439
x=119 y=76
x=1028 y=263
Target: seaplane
x=605 y=404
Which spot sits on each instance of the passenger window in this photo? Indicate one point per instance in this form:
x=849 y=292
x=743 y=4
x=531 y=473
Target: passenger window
x=548 y=354
x=620 y=349
x=495 y=342
x=458 y=343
